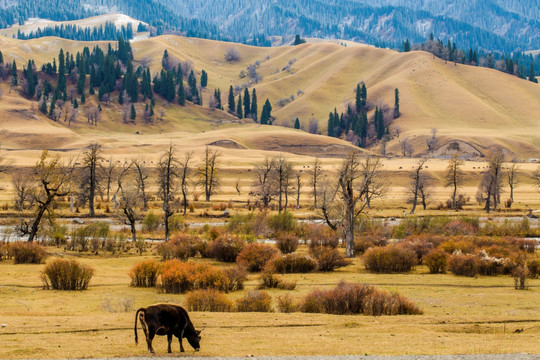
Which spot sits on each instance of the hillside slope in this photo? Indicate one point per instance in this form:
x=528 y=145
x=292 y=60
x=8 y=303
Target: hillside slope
x=477 y=105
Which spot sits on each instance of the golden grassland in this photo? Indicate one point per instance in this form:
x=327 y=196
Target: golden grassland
x=461 y=316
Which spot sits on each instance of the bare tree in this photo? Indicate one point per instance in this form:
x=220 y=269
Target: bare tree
x=454 y=176
x=424 y=188
x=406 y=147
x=123 y=171
x=315 y=176
x=489 y=189
x=142 y=173
x=313 y=127
x=53 y=177
x=283 y=173
x=90 y=175
x=108 y=174
x=356 y=182
x=512 y=177
x=168 y=173
x=432 y=141
x=536 y=177
x=130 y=198
x=185 y=173
x=415 y=183
x=73 y=117
x=298 y=177
x=264 y=186
x=208 y=172
x=24 y=189
x=232 y=54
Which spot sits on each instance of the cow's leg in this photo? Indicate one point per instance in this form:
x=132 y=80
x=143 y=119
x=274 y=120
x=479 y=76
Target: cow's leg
x=180 y=341
x=148 y=333
x=169 y=341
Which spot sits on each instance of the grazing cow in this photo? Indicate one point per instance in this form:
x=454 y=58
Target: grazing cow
x=167 y=319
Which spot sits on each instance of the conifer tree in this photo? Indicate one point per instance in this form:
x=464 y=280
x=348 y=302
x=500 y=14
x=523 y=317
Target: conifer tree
x=61 y=72
x=14 y=76
x=204 y=79
x=194 y=93
x=82 y=77
x=43 y=106
x=76 y=104
x=396 y=104
x=217 y=95
x=297 y=123
x=358 y=99
x=231 y=100
x=266 y=114
x=133 y=114
x=531 y=73
x=331 y=125
x=181 y=90
x=407 y=46
x=1 y=58
x=83 y=98
x=169 y=87
x=247 y=103
x=239 y=111
x=30 y=80
x=253 y=106
x=363 y=96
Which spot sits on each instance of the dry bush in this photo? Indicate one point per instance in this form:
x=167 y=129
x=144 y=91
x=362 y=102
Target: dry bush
x=226 y=247
x=287 y=243
x=179 y=277
x=457 y=244
x=520 y=278
x=329 y=259
x=389 y=259
x=66 y=275
x=363 y=244
x=320 y=235
x=291 y=263
x=272 y=281
x=286 y=304
x=237 y=276
x=420 y=248
x=232 y=54
x=151 y=222
x=255 y=256
x=463 y=264
x=534 y=268
x=459 y=227
x=208 y=300
x=181 y=246
x=348 y=298
x=27 y=253
x=145 y=273
x=255 y=301
x=436 y=261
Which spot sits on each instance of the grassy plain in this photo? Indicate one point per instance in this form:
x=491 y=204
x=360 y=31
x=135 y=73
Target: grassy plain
x=461 y=315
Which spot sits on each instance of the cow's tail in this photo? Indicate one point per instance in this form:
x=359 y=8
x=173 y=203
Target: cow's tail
x=135 y=328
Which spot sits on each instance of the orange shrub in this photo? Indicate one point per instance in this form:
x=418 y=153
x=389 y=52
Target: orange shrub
x=63 y=274
x=464 y=265
x=452 y=245
x=272 y=281
x=321 y=235
x=329 y=259
x=182 y=246
x=436 y=261
x=389 y=259
x=348 y=298
x=208 y=300
x=291 y=263
x=254 y=256
x=180 y=277
x=145 y=273
x=287 y=243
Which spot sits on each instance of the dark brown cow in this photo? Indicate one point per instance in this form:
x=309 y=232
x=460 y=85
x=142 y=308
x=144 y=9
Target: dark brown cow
x=167 y=319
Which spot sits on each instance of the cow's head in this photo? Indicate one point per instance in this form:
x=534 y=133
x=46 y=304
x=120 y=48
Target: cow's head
x=194 y=339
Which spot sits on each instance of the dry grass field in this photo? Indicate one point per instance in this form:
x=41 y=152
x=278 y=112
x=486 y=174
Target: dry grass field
x=461 y=316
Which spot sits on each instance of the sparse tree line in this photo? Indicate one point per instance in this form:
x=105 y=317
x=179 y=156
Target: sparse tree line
x=109 y=31
x=341 y=200
x=524 y=66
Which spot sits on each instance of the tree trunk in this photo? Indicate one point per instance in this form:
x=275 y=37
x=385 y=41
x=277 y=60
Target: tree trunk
x=166 y=221
x=37 y=220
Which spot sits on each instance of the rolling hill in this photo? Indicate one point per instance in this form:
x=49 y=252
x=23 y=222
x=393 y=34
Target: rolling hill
x=479 y=106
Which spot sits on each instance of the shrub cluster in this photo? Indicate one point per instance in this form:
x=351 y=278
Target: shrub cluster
x=255 y=301
x=286 y=304
x=291 y=263
x=362 y=244
x=208 y=300
x=145 y=273
x=182 y=247
x=436 y=261
x=66 y=275
x=347 y=298
x=389 y=259
x=328 y=258
x=27 y=253
x=481 y=264
x=320 y=235
x=180 y=277
x=254 y=256
x=287 y=243
x=282 y=222
x=225 y=248
x=272 y=281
